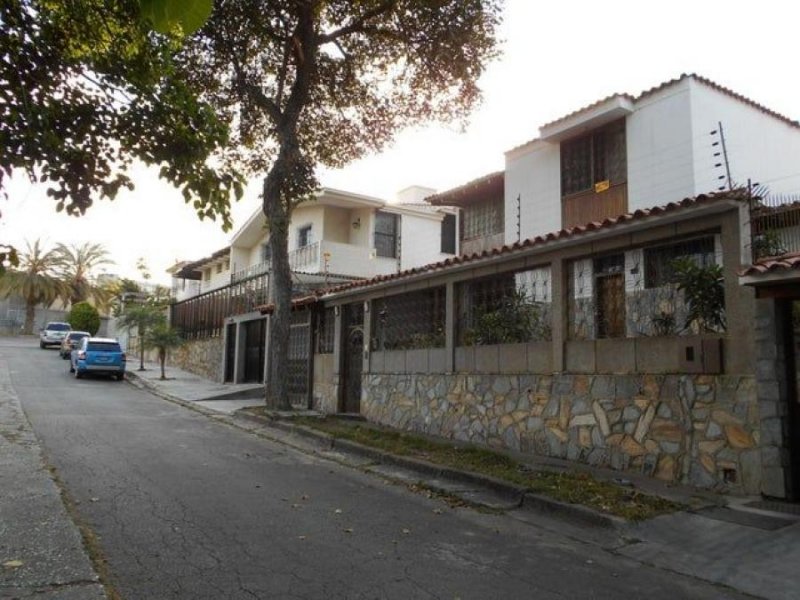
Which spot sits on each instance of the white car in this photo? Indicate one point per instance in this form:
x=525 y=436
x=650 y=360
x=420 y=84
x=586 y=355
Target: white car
x=53 y=333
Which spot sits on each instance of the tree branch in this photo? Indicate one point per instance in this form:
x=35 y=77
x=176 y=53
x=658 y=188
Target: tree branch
x=358 y=24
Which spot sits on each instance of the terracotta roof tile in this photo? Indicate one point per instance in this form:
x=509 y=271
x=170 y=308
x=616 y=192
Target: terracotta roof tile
x=471 y=191
x=772 y=264
x=667 y=84
x=540 y=240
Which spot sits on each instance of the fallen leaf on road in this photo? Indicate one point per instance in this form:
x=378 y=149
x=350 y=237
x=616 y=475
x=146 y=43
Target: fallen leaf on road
x=437 y=511
x=301 y=537
x=296 y=505
x=338 y=511
x=348 y=530
x=94 y=499
x=406 y=531
x=13 y=564
x=304 y=497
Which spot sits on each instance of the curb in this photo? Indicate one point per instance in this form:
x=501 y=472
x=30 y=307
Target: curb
x=519 y=496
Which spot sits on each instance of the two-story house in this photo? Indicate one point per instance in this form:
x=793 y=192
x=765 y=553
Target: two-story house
x=336 y=237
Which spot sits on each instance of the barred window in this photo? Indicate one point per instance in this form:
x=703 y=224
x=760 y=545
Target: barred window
x=659 y=261
x=502 y=309
x=412 y=320
x=325 y=328
x=386 y=235
x=589 y=159
x=482 y=219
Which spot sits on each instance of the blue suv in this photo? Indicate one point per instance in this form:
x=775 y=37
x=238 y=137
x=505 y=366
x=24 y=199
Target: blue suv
x=98 y=355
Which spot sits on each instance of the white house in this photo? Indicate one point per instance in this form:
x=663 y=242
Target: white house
x=685 y=137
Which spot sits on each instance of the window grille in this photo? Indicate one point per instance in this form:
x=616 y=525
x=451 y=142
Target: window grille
x=482 y=219
x=325 y=331
x=304 y=236
x=386 y=235
x=659 y=261
x=266 y=252
x=589 y=159
x=502 y=309
x=412 y=320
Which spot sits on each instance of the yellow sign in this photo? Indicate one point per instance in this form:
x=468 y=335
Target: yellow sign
x=601 y=186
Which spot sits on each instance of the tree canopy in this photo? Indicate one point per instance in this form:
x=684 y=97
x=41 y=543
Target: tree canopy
x=305 y=83
x=86 y=88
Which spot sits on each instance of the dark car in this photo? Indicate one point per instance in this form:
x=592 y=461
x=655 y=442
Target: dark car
x=71 y=342
x=98 y=355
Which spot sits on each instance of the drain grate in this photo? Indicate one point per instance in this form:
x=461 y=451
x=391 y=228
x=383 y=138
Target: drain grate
x=748 y=519
x=777 y=506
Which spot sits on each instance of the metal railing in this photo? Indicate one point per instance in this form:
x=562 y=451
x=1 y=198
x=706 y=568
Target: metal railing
x=774 y=225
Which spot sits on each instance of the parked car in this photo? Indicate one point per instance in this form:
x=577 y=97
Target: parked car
x=98 y=355
x=71 y=342
x=53 y=333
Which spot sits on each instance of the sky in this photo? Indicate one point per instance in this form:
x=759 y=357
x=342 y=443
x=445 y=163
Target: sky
x=557 y=57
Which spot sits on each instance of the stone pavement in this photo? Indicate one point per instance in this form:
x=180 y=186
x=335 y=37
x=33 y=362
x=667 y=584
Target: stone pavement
x=737 y=542
x=41 y=550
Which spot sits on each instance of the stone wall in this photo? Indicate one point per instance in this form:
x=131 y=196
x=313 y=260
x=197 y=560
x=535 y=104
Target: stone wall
x=697 y=429
x=201 y=357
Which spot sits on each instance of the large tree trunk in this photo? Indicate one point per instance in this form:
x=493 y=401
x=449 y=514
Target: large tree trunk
x=280 y=286
x=30 y=315
x=140 y=331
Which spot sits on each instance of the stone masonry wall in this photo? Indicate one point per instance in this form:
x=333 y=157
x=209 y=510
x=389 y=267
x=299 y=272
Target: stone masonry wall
x=201 y=357
x=697 y=429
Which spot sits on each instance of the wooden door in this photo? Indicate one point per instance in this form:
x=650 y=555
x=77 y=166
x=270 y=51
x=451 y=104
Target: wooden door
x=255 y=336
x=611 y=306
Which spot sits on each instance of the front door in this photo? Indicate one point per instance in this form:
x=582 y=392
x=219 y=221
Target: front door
x=255 y=339
x=611 y=306
x=352 y=352
x=300 y=359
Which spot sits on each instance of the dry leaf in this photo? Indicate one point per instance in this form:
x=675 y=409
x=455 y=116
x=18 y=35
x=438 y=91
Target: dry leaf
x=348 y=530
x=338 y=511
x=94 y=499
x=437 y=511
x=406 y=531
x=301 y=537
x=13 y=564
x=296 y=505
x=304 y=497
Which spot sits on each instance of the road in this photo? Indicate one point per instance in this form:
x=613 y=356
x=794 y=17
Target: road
x=185 y=507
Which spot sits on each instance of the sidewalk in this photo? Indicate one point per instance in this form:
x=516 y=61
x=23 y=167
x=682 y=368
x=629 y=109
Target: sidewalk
x=41 y=550
x=743 y=543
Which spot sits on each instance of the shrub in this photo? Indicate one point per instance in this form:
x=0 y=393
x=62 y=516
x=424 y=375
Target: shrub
x=84 y=317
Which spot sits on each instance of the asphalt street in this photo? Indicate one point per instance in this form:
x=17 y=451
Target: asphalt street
x=187 y=507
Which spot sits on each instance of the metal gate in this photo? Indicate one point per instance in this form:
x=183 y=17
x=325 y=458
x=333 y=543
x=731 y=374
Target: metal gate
x=299 y=375
x=230 y=352
x=353 y=355
x=255 y=340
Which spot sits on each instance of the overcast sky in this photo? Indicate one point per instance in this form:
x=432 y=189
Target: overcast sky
x=558 y=56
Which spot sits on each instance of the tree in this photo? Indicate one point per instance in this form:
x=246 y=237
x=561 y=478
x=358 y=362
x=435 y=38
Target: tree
x=704 y=290
x=75 y=267
x=86 y=88
x=304 y=83
x=84 y=317
x=35 y=281
x=141 y=317
x=162 y=337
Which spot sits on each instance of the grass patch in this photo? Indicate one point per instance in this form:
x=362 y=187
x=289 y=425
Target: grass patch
x=573 y=487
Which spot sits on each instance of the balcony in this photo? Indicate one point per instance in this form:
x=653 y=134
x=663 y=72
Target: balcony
x=329 y=257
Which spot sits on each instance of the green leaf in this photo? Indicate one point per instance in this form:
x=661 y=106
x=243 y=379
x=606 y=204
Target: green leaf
x=165 y=15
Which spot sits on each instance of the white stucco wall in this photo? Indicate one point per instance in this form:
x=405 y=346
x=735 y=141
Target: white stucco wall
x=421 y=241
x=303 y=216
x=533 y=174
x=661 y=163
x=760 y=146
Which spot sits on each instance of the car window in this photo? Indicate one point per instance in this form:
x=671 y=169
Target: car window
x=104 y=347
x=58 y=327
x=77 y=336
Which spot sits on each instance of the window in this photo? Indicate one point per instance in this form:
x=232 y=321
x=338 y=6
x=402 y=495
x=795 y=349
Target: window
x=658 y=262
x=589 y=159
x=386 y=234
x=266 y=253
x=304 y=236
x=482 y=219
x=449 y=234
x=219 y=267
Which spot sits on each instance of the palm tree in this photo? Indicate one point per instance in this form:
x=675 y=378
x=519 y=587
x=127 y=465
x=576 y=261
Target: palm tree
x=35 y=280
x=75 y=266
x=162 y=337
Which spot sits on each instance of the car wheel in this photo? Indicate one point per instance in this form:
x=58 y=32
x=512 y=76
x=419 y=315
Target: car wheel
x=121 y=377
x=41 y=345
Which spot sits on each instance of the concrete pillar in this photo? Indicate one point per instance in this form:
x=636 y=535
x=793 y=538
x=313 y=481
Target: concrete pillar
x=772 y=391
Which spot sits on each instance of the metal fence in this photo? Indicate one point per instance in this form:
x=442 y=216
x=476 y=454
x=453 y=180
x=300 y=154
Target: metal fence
x=412 y=320
x=774 y=225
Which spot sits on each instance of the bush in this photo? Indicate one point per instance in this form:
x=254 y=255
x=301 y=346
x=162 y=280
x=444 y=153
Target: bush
x=84 y=317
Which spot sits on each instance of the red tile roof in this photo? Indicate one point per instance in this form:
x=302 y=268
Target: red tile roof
x=667 y=84
x=772 y=264
x=473 y=191
x=529 y=243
